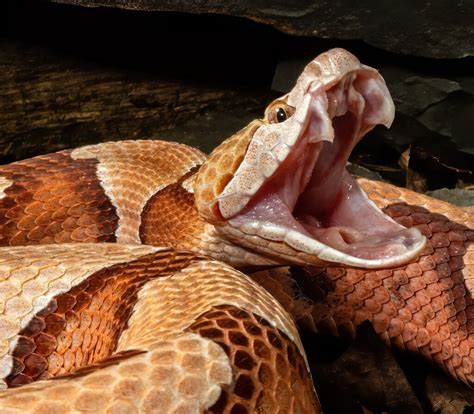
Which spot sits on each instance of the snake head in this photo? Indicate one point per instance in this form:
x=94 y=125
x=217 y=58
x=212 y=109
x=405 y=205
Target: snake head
x=280 y=186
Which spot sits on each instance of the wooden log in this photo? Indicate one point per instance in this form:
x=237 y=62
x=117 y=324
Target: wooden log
x=49 y=101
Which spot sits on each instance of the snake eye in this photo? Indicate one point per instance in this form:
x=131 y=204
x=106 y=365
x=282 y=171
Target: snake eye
x=278 y=111
x=281 y=115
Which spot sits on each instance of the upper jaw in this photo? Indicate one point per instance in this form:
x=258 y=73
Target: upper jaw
x=317 y=102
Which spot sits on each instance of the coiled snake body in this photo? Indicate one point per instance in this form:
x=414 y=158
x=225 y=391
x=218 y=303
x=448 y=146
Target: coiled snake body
x=119 y=262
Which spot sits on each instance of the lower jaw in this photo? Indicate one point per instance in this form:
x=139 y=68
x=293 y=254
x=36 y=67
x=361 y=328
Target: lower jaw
x=356 y=232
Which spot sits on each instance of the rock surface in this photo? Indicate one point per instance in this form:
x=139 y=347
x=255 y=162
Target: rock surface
x=443 y=105
x=464 y=198
x=441 y=29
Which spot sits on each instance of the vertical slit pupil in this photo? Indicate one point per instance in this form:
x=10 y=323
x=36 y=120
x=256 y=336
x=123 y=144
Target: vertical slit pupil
x=281 y=115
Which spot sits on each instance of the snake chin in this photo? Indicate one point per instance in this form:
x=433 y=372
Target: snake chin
x=311 y=203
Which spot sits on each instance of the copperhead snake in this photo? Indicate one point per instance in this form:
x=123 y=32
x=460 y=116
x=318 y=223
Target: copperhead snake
x=120 y=262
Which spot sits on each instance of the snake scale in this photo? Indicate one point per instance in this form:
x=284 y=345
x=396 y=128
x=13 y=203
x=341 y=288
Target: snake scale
x=121 y=263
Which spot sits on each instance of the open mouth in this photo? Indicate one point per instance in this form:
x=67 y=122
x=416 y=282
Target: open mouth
x=308 y=200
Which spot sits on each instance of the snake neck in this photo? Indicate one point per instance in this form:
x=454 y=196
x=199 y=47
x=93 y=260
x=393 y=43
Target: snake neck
x=170 y=218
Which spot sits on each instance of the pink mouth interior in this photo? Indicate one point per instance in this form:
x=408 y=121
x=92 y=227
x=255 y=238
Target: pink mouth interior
x=312 y=192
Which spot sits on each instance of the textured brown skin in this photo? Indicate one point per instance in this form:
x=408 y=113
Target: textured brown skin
x=82 y=326
x=55 y=199
x=164 y=225
x=165 y=360
x=270 y=373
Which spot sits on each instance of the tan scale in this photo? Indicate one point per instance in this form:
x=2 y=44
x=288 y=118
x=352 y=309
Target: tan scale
x=4 y=184
x=31 y=281
x=219 y=170
x=163 y=363
x=218 y=286
x=155 y=165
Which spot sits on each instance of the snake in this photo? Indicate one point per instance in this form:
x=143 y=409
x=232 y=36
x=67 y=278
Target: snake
x=145 y=276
